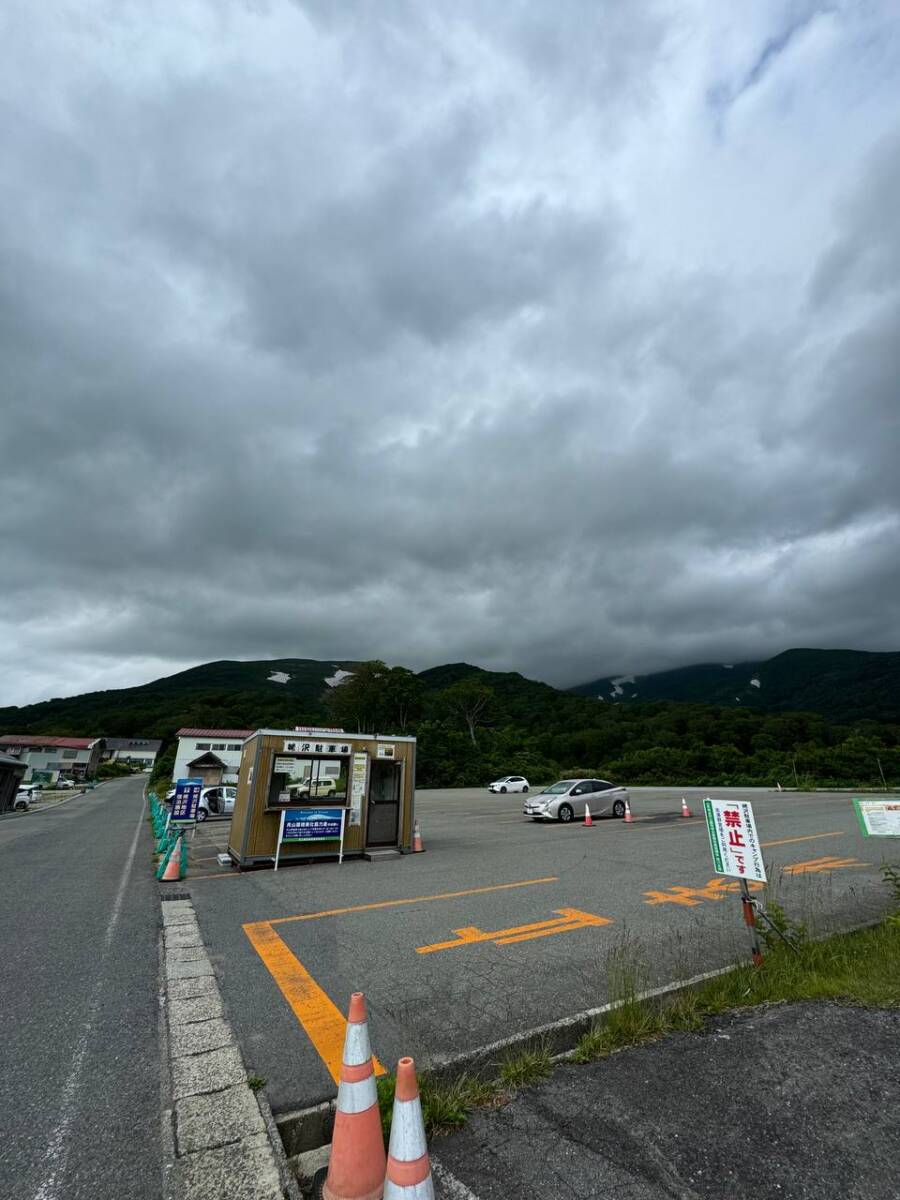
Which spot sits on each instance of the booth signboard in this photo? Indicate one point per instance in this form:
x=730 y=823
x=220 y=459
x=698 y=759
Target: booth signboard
x=357 y=788
x=311 y=825
x=878 y=818
x=185 y=802
x=385 y=751
x=733 y=839
x=316 y=745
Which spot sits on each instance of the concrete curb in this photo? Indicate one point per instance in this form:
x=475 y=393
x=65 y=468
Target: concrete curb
x=222 y=1135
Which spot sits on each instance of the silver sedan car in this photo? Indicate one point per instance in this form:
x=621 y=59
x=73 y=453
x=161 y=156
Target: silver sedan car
x=566 y=800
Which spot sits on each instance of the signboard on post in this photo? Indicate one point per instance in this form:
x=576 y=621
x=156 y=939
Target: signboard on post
x=185 y=802
x=311 y=825
x=733 y=839
x=878 y=818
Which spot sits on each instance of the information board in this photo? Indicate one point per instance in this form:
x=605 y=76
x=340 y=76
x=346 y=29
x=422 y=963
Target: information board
x=186 y=801
x=733 y=839
x=878 y=818
x=311 y=825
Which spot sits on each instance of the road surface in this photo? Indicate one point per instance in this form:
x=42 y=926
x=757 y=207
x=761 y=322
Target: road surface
x=80 y=1092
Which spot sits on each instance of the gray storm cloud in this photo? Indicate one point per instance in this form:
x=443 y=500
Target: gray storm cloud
x=563 y=339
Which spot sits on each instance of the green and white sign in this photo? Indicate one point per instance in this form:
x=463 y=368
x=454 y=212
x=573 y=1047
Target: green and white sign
x=878 y=818
x=733 y=839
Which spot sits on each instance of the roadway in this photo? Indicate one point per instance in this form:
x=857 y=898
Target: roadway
x=504 y=925
x=80 y=1090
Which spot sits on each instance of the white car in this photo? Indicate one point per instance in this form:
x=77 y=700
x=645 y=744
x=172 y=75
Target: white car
x=216 y=801
x=567 y=799
x=65 y=784
x=24 y=797
x=509 y=783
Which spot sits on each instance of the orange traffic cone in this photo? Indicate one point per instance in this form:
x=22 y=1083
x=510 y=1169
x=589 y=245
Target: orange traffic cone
x=357 y=1162
x=628 y=817
x=417 y=838
x=588 y=819
x=408 y=1166
x=172 y=873
x=685 y=811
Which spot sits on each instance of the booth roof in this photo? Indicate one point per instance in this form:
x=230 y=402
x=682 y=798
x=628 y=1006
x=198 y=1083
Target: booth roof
x=243 y=734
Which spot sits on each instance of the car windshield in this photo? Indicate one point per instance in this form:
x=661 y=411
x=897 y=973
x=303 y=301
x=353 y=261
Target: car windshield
x=556 y=789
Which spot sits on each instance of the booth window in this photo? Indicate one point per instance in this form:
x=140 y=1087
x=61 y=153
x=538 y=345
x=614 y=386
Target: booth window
x=299 y=780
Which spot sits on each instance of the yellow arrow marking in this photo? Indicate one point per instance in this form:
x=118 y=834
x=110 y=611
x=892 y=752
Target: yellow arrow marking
x=568 y=920
x=716 y=889
x=830 y=863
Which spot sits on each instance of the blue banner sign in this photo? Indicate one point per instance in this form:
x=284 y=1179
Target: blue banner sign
x=185 y=801
x=312 y=825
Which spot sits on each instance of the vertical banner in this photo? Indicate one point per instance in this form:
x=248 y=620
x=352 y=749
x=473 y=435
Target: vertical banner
x=358 y=787
x=186 y=801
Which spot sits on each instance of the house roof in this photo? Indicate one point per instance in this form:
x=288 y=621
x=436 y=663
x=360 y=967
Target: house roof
x=38 y=739
x=243 y=734
x=133 y=743
x=6 y=761
x=208 y=759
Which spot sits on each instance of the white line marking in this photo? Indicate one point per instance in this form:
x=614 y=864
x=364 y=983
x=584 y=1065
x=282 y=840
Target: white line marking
x=58 y=1147
x=454 y=1188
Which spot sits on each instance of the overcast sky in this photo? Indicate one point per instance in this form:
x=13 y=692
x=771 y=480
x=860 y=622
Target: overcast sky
x=557 y=337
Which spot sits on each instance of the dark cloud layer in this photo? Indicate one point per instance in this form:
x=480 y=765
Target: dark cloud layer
x=558 y=338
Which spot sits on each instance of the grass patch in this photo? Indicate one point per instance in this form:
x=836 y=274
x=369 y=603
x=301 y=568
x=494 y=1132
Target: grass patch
x=850 y=968
x=531 y=1066
x=445 y=1105
x=255 y=1082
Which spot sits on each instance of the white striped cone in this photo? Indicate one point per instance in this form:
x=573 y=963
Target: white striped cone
x=357 y=1162
x=408 y=1166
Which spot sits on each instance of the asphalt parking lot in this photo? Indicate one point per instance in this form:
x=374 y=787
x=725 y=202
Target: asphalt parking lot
x=503 y=925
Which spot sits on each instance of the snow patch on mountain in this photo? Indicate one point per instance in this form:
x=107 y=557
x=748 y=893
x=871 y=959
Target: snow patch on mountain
x=279 y=677
x=338 y=677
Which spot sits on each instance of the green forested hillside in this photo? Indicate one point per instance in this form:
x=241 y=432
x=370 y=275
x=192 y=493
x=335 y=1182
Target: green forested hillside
x=473 y=725
x=844 y=685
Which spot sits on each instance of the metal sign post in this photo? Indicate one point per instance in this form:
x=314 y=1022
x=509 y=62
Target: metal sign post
x=312 y=825
x=736 y=852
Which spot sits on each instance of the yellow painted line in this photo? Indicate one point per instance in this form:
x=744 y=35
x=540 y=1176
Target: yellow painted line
x=324 y=1023
x=829 y=863
x=568 y=920
x=809 y=837
x=480 y=891
x=691 y=897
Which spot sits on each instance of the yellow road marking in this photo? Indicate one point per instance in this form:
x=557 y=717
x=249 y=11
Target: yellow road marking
x=830 y=863
x=568 y=920
x=324 y=1023
x=339 y=912
x=809 y=837
x=716 y=889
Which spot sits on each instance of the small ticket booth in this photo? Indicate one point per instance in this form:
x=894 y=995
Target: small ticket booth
x=369 y=779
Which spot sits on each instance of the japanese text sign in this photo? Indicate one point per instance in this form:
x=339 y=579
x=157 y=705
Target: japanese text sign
x=186 y=801
x=879 y=818
x=733 y=840
x=317 y=745
x=312 y=824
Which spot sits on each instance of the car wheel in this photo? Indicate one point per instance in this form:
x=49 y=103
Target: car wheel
x=21 y=806
x=503 y=789
x=525 y=788
x=202 y=814
x=566 y=813
x=619 y=808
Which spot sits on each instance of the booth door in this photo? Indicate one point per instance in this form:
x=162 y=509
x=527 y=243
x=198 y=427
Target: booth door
x=383 y=818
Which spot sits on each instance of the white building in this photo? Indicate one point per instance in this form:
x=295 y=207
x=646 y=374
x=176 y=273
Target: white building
x=50 y=757
x=141 y=752
x=213 y=755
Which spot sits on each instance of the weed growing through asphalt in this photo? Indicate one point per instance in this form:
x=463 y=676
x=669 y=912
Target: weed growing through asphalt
x=529 y=1066
x=445 y=1104
x=255 y=1082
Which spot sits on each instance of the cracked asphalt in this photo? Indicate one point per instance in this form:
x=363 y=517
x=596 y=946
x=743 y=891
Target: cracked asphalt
x=795 y=1101
x=454 y=1000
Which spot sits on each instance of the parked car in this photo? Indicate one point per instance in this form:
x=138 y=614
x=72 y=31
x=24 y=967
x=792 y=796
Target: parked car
x=308 y=788
x=24 y=797
x=65 y=784
x=567 y=799
x=509 y=783
x=216 y=801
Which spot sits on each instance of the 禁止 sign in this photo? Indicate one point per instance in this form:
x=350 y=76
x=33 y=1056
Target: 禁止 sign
x=733 y=839
x=879 y=818
x=316 y=746
x=186 y=801
x=311 y=825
